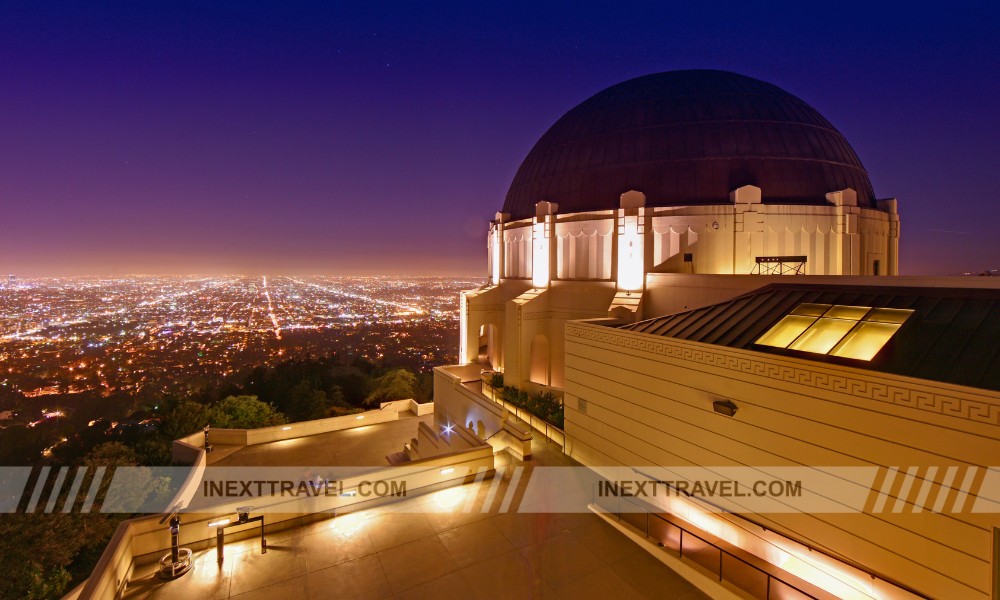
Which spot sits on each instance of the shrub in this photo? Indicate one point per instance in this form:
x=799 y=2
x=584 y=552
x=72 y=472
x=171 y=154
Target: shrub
x=544 y=405
x=496 y=381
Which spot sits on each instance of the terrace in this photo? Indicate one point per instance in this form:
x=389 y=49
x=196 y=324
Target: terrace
x=457 y=542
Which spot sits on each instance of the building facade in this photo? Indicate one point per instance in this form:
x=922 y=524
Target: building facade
x=674 y=195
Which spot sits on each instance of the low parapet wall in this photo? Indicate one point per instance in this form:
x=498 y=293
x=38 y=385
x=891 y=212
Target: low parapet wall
x=142 y=540
x=248 y=437
x=185 y=450
x=136 y=539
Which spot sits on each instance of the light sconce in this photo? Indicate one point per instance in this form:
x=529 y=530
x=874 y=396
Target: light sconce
x=725 y=407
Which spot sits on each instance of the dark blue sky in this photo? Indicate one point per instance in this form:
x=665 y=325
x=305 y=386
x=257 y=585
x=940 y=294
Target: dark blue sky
x=339 y=138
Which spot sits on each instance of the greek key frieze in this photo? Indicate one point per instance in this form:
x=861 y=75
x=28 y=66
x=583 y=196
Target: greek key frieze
x=898 y=394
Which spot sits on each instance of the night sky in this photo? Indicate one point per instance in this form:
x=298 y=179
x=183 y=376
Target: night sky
x=347 y=138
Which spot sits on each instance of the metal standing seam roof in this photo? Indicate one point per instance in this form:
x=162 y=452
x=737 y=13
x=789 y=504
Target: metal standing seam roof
x=687 y=138
x=953 y=335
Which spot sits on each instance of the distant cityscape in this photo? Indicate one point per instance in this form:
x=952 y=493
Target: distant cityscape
x=175 y=334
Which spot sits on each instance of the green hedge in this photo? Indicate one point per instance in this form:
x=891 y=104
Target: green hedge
x=544 y=405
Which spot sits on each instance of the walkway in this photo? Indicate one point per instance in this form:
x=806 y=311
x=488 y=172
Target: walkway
x=367 y=445
x=453 y=543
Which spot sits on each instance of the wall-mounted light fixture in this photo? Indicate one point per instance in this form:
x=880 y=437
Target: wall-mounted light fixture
x=725 y=407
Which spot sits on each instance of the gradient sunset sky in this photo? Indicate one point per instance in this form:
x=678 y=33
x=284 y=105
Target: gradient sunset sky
x=324 y=137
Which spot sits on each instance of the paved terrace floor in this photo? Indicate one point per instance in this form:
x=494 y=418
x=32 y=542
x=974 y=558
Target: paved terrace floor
x=358 y=446
x=453 y=543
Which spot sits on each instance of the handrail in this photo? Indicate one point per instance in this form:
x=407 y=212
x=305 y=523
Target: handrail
x=722 y=552
x=516 y=408
x=829 y=554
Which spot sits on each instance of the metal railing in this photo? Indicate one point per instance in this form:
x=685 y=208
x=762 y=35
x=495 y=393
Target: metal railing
x=550 y=431
x=688 y=545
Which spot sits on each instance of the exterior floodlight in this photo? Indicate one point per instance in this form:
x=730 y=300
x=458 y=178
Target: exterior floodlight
x=725 y=407
x=448 y=428
x=243 y=512
x=285 y=428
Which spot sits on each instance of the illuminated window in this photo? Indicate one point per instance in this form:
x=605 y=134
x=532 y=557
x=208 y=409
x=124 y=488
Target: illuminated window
x=786 y=331
x=822 y=336
x=857 y=332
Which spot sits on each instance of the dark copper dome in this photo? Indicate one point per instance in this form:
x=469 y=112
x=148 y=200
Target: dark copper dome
x=683 y=138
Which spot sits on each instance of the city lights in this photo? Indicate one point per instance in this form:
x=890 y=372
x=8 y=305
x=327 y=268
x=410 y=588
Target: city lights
x=64 y=336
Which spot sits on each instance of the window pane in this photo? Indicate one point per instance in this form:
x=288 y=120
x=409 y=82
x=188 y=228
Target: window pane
x=864 y=342
x=889 y=315
x=847 y=312
x=810 y=310
x=786 y=331
x=823 y=335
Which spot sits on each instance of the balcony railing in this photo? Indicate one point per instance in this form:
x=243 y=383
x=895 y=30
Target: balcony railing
x=688 y=544
x=550 y=431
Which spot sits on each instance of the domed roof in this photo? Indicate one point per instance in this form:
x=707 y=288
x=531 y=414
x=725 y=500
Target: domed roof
x=685 y=138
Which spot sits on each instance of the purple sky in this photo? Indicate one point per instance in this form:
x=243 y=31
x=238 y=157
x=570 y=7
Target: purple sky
x=333 y=138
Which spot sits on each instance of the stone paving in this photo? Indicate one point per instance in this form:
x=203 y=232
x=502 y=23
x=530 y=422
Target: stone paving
x=440 y=545
x=358 y=446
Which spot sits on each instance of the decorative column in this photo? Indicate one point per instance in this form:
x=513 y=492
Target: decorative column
x=748 y=228
x=543 y=248
x=496 y=248
x=891 y=206
x=631 y=230
x=847 y=248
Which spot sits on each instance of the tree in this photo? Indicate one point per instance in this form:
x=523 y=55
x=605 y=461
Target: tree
x=153 y=450
x=132 y=488
x=184 y=419
x=21 y=445
x=397 y=384
x=244 y=412
x=111 y=454
x=36 y=550
x=336 y=397
x=44 y=553
x=425 y=387
x=306 y=403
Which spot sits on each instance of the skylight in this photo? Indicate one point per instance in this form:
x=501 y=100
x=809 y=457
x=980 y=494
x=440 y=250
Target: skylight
x=857 y=332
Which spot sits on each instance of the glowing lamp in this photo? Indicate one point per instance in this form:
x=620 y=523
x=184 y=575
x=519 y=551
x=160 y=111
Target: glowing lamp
x=630 y=254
